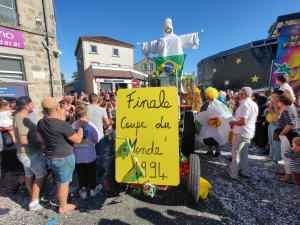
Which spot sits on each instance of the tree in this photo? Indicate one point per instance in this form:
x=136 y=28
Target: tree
x=63 y=80
x=75 y=76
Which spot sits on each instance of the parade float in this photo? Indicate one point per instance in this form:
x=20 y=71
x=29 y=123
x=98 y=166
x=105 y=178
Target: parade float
x=155 y=130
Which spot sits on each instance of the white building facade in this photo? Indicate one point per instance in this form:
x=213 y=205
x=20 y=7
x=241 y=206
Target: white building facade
x=104 y=63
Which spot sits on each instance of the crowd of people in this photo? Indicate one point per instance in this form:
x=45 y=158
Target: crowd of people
x=72 y=135
x=74 y=131
x=268 y=122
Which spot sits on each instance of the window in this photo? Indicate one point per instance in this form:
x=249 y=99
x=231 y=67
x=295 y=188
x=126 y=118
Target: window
x=115 y=52
x=151 y=66
x=8 y=12
x=93 y=49
x=144 y=66
x=11 y=67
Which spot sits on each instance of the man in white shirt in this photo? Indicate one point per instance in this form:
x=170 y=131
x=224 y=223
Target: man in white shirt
x=281 y=80
x=243 y=128
x=98 y=115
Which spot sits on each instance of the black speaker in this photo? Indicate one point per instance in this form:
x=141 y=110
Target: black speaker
x=188 y=139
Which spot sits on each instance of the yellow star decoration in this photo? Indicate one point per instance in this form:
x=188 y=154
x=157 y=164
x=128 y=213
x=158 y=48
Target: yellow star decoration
x=255 y=78
x=238 y=60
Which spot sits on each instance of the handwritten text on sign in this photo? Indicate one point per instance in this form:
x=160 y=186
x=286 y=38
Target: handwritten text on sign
x=149 y=118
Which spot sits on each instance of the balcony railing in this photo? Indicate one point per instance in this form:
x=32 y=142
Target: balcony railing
x=8 y=15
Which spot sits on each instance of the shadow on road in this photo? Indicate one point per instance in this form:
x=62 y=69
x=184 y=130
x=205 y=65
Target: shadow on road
x=175 y=217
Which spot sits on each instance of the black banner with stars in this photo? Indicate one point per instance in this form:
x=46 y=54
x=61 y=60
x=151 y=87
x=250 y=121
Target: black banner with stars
x=250 y=67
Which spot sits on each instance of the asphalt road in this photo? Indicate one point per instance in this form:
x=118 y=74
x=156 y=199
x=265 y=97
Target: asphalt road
x=261 y=200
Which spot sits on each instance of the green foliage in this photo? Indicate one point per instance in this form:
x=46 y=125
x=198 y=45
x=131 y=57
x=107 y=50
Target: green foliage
x=75 y=76
x=63 y=80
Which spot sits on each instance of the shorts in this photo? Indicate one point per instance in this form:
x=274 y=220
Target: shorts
x=297 y=179
x=34 y=165
x=62 y=168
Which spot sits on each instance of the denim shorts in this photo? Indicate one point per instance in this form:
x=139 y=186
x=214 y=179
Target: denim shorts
x=63 y=168
x=34 y=165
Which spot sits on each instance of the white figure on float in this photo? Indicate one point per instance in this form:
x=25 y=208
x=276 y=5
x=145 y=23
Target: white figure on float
x=170 y=44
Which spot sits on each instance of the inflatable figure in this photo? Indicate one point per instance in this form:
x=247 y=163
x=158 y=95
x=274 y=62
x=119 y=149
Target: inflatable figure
x=212 y=125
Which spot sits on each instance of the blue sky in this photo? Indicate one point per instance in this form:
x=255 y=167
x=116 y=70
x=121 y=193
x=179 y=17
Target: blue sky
x=226 y=24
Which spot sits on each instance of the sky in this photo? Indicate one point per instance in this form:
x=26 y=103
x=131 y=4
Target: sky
x=226 y=24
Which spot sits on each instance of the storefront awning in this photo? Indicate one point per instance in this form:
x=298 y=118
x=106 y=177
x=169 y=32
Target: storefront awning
x=111 y=73
x=120 y=73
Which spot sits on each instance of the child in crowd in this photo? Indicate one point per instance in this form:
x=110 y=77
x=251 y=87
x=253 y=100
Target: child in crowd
x=85 y=154
x=112 y=136
x=6 y=118
x=294 y=155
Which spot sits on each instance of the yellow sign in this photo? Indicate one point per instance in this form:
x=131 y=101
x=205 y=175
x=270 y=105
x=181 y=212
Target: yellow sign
x=148 y=118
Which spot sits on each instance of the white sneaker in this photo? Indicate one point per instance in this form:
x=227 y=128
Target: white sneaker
x=266 y=159
x=83 y=193
x=270 y=164
x=95 y=191
x=35 y=207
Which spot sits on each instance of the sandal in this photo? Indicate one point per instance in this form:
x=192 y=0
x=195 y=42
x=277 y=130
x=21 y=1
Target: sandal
x=282 y=179
x=279 y=172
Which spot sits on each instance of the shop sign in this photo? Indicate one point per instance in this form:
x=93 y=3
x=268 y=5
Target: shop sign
x=104 y=80
x=11 y=38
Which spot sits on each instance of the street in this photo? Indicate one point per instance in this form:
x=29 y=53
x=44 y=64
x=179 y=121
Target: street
x=261 y=200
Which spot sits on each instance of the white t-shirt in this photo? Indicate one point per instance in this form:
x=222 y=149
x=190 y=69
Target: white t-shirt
x=5 y=121
x=248 y=110
x=96 y=116
x=287 y=87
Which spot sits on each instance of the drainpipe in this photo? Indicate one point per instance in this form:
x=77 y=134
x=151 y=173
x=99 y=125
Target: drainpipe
x=48 y=47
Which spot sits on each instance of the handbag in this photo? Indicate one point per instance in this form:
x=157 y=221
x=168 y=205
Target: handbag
x=276 y=135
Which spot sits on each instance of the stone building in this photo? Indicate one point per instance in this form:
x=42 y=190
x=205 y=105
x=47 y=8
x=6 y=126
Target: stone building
x=28 y=48
x=146 y=65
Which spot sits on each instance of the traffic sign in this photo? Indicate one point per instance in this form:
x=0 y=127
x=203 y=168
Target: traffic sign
x=134 y=82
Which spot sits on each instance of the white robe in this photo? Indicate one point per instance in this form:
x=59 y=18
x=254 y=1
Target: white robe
x=171 y=44
x=219 y=134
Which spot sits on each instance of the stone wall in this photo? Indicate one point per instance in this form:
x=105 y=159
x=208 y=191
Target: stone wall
x=35 y=57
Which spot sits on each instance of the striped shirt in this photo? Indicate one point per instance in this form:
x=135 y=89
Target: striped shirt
x=295 y=160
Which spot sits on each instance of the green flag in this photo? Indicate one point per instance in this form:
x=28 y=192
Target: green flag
x=169 y=64
x=124 y=149
x=153 y=190
x=182 y=158
x=138 y=190
x=198 y=127
x=137 y=173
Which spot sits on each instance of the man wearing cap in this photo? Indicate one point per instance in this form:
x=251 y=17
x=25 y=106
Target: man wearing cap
x=29 y=150
x=59 y=137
